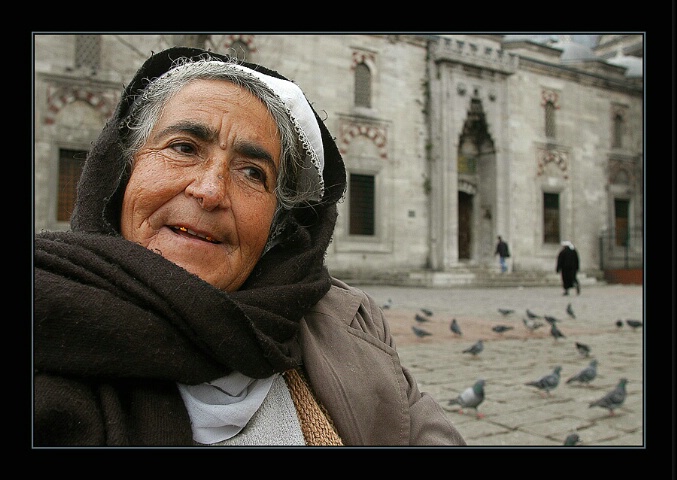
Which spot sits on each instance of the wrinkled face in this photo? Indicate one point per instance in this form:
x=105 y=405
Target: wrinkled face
x=201 y=193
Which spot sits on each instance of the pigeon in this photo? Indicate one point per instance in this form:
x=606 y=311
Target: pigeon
x=614 y=399
x=548 y=382
x=387 y=305
x=583 y=349
x=570 y=311
x=531 y=324
x=420 y=333
x=634 y=323
x=420 y=318
x=501 y=328
x=586 y=375
x=475 y=348
x=550 y=320
x=471 y=397
x=505 y=311
x=556 y=332
x=455 y=328
x=571 y=440
x=532 y=315
x=427 y=312
x=619 y=323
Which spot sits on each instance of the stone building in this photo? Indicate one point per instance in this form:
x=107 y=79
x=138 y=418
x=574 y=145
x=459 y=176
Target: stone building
x=448 y=140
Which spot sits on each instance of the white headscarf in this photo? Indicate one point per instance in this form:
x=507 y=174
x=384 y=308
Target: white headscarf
x=302 y=117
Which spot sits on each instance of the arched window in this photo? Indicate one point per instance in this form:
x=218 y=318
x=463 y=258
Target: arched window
x=362 y=86
x=550 y=130
x=617 y=140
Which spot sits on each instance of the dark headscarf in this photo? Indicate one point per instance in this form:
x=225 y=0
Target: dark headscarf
x=117 y=325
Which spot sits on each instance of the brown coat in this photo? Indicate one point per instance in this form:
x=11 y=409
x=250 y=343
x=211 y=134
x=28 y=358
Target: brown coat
x=351 y=361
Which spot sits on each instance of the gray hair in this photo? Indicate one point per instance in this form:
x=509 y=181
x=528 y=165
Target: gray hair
x=148 y=106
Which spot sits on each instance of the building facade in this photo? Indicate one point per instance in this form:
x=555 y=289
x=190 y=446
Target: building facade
x=448 y=140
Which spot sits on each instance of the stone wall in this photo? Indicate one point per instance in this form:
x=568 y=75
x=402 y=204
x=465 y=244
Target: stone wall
x=423 y=87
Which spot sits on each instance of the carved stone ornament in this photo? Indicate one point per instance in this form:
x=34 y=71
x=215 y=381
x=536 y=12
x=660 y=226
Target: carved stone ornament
x=558 y=158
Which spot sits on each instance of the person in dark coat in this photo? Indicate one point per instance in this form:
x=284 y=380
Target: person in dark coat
x=503 y=252
x=568 y=265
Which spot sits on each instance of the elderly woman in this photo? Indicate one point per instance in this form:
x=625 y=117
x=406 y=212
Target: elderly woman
x=190 y=303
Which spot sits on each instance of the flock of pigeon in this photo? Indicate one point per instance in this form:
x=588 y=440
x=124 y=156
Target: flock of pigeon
x=473 y=396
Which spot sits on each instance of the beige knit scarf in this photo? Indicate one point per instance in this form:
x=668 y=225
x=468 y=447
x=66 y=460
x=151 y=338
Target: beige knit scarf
x=316 y=425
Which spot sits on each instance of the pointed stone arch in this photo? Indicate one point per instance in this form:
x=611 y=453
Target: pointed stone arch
x=60 y=96
x=621 y=172
x=375 y=133
x=476 y=182
x=475 y=126
x=361 y=56
x=556 y=158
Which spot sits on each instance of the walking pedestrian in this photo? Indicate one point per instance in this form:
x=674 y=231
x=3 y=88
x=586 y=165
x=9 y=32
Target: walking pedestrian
x=567 y=265
x=503 y=252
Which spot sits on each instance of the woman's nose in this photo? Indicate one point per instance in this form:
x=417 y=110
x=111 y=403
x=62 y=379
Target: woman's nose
x=209 y=189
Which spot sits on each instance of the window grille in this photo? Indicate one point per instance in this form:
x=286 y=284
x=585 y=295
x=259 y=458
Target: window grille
x=618 y=132
x=551 y=216
x=361 y=204
x=550 y=130
x=88 y=51
x=70 y=168
x=362 y=86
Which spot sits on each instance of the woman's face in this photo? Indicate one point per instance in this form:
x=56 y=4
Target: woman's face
x=201 y=193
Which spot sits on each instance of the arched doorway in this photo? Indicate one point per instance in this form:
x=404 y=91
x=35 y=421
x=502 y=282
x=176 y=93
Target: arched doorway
x=474 y=146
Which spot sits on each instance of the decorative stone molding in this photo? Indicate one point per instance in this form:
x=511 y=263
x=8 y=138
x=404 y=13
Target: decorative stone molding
x=621 y=171
x=60 y=96
x=360 y=56
x=474 y=54
x=467 y=187
x=619 y=111
x=545 y=156
x=550 y=96
x=350 y=130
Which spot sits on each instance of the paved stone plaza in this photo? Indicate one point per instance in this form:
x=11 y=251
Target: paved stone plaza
x=516 y=414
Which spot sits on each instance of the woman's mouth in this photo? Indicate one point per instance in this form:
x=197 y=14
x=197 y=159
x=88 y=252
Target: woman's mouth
x=187 y=232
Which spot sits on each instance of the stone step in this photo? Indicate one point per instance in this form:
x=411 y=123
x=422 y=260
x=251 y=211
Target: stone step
x=468 y=277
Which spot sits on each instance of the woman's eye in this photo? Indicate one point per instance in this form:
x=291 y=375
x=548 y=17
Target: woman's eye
x=256 y=174
x=184 y=148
